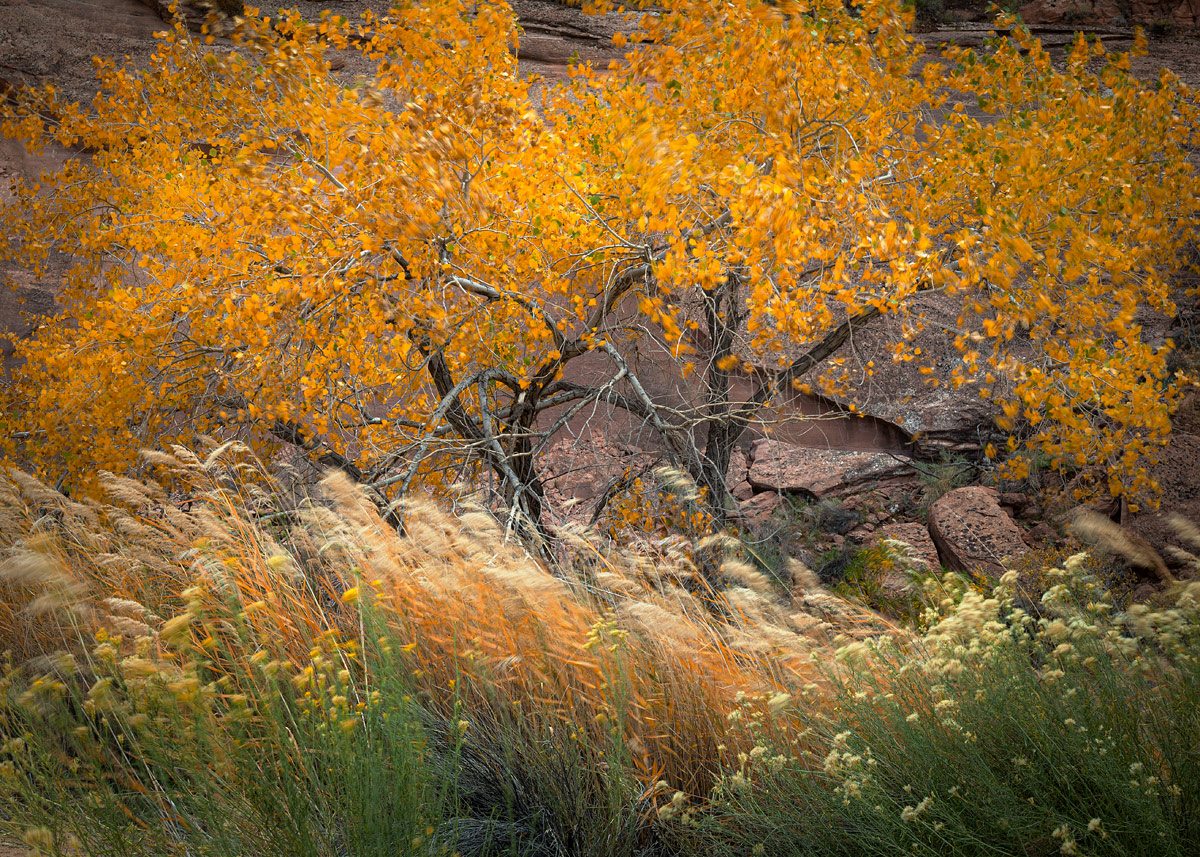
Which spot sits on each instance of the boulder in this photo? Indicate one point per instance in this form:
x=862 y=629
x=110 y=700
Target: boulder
x=973 y=533
x=1039 y=534
x=916 y=536
x=931 y=410
x=1015 y=500
x=899 y=404
x=943 y=419
x=760 y=507
x=819 y=473
x=742 y=491
x=554 y=34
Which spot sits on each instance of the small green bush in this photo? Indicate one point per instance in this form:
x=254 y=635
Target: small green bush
x=1163 y=28
x=149 y=754
x=941 y=477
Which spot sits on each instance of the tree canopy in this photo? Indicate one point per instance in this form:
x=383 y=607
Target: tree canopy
x=397 y=276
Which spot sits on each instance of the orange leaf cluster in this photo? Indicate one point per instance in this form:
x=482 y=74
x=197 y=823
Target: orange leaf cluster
x=264 y=249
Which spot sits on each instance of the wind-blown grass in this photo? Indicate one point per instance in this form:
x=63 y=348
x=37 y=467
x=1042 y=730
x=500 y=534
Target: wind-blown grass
x=206 y=665
x=534 y=697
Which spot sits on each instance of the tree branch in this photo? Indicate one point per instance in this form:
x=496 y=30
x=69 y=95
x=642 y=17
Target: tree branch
x=293 y=433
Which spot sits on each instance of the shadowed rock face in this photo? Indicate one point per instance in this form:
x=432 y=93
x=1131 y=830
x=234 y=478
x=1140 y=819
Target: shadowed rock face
x=19 y=308
x=53 y=41
x=1177 y=475
x=1182 y=13
x=819 y=473
x=23 y=295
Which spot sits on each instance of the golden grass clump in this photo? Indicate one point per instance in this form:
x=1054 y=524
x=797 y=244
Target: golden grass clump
x=661 y=658
x=1093 y=528
x=608 y=645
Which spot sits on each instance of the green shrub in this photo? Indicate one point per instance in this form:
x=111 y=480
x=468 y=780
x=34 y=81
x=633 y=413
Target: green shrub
x=885 y=575
x=215 y=751
x=1163 y=28
x=997 y=734
x=941 y=477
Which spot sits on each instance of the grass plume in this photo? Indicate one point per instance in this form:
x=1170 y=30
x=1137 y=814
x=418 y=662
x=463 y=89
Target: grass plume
x=209 y=664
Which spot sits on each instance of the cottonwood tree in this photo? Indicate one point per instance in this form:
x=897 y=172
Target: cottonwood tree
x=399 y=277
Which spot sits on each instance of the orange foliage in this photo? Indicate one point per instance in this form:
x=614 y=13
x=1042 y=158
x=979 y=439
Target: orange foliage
x=392 y=276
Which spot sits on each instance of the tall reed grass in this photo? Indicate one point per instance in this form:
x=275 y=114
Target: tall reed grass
x=209 y=664
x=603 y=681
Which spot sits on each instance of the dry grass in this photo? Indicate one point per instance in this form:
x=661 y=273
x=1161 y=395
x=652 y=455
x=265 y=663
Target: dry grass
x=619 y=641
x=260 y=673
